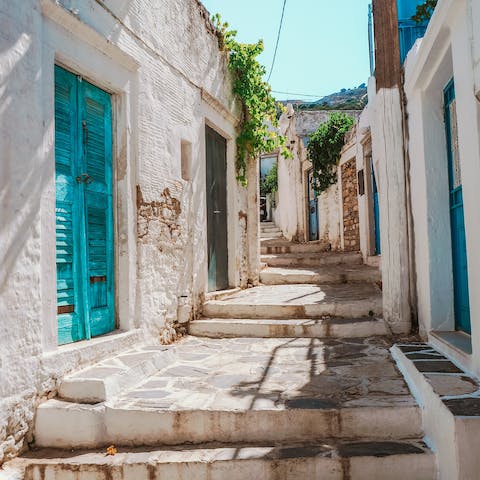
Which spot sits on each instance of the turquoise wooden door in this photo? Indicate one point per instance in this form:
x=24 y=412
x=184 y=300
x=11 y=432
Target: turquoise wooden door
x=457 y=221
x=83 y=164
x=376 y=214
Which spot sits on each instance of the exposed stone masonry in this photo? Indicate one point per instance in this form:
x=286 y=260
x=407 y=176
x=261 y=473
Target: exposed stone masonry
x=351 y=232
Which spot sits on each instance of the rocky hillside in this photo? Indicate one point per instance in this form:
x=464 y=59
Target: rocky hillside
x=346 y=99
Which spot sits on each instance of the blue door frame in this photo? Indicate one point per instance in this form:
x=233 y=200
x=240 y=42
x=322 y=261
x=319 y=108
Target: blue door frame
x=457 y=219
x=84 y=212
x=376 y=213
x=313 y=232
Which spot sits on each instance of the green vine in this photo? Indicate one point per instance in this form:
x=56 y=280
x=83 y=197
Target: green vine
x=259 y=120
x=424 y=11
x=324 y=149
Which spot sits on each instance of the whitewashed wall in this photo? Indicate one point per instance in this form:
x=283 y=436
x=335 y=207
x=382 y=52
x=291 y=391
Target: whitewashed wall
x=449 y=49
x=161 y=62
x=292 y=211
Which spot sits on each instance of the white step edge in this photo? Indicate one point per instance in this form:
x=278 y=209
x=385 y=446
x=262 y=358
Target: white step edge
x=298 y=328
x=87 y=387
x=282 y=276
x=452 y=437
x=371 y=306
x=61 y=424
x=239 y=463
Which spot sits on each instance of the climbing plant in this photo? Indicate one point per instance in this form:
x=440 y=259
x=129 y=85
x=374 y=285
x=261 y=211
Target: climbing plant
x=424 y=11
x=324 y=149
x=269 y=183
x=258 y=130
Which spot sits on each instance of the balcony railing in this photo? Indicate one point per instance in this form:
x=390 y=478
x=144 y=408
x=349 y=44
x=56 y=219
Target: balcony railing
x=409 y=32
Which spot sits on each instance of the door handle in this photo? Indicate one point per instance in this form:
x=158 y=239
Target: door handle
x=84 y=178
x=217 y=211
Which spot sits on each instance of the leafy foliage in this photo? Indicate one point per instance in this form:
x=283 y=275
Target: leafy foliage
x=269 y=183
x=259 y=123
x=425 y=11
x=324 y=149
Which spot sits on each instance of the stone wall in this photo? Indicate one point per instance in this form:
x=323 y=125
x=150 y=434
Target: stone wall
x=351 y=232
x=161 y=62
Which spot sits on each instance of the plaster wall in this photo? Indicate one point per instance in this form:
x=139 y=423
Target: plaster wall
x=292 y=211
x=161 y=63
x=445 y=52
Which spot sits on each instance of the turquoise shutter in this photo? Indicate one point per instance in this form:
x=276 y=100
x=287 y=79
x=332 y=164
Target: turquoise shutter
x=69 y=305
x=96 y=112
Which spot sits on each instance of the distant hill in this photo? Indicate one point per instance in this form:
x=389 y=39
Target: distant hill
x=345 y=99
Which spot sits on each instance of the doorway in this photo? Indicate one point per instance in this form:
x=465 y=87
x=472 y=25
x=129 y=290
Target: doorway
x=457 y=220
x=312 y=206
x=376 y=212
x=216 y=165
x=84 y=213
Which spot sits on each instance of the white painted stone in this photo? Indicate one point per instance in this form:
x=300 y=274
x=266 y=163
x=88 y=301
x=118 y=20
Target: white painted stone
x=307 y=328
x=168 y=79
x=451 y=437
x=326 y=274
x=105 y=381
x=268 y=463
x=307 y=259
x=65 y=425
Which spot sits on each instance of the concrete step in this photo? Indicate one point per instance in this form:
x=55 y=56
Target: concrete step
x=271 y=235
x=326 y=274
x=311 y=259
x=299 y=301
x=326 y=461
x=269 y=228
x=279 y=246
x=144 y=422
x=299 y=328
x=107 y=379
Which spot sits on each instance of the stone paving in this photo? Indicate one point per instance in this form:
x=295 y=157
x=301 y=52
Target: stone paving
x=304 y=294
x=459 y=391
x=243 y=373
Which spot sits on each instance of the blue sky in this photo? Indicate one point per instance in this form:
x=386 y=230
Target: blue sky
x=323 y=46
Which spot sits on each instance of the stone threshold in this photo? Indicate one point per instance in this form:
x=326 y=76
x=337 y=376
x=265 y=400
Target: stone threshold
x=450 y=404
x=333 y=459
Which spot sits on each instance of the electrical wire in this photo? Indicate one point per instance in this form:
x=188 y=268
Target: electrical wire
x=278 y=40
x=299 y=94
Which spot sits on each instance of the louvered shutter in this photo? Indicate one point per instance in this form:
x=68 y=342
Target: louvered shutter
x=97 y=161
x=69 y=304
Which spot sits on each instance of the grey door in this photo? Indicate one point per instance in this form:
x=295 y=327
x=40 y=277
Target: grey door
x=216 y=153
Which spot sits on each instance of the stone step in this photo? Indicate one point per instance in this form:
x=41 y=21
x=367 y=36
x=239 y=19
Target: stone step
x=107 y=379
x=299 y=301
x=270 y=235
x=269 y=228
x=311 y=259
x=326 y=461
x=145 y=421
x=299 y=328
x=279 y=246
x=326 y=274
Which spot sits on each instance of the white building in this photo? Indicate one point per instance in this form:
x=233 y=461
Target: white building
x=301 y=214
x=426 y=148
x=113 y=117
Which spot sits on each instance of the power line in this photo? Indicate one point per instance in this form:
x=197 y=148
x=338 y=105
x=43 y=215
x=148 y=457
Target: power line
x=299 y=94
x=278 y=40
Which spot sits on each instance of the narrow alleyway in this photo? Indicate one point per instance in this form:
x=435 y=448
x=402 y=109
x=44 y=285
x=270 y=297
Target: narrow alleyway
x=271 y=384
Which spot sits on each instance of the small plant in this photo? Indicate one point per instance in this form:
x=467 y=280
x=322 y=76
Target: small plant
x=269 y=183
x=324 y=149
x=424 y=11
x=259 y=120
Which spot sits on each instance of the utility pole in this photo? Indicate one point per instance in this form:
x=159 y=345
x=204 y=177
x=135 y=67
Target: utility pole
x=390 y=161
